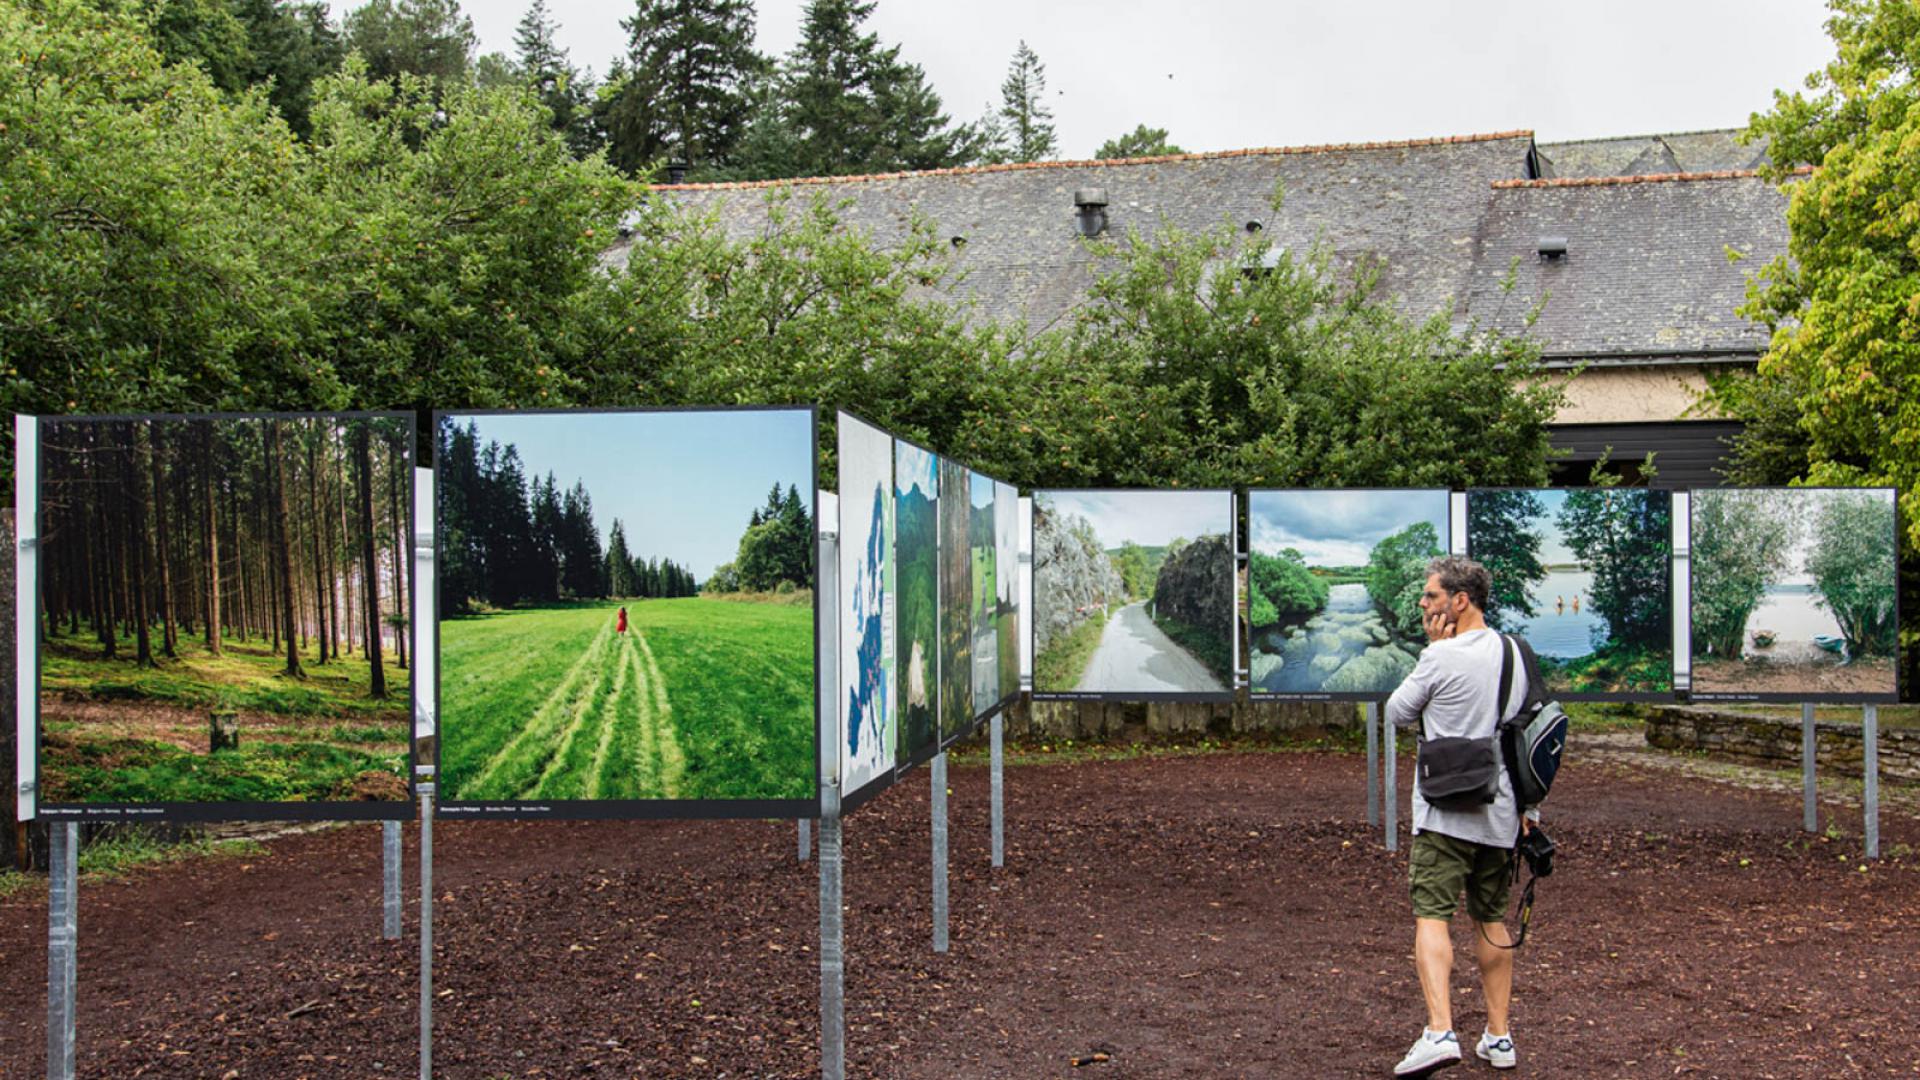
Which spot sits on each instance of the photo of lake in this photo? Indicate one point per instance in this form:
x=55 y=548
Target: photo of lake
x=1333 y=588
x=1565 y=625
x=1585 y=577
x=1794 y=593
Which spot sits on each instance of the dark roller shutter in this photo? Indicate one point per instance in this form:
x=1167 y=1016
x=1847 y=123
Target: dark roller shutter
x=1687 y=453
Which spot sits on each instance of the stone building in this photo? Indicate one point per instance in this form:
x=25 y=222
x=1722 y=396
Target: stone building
x=1625 y=242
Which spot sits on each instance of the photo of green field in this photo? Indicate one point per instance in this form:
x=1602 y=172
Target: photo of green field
x=225 y=617
x=643 y=631
x=556 y=704
x=984 y=605
x=1006 y=520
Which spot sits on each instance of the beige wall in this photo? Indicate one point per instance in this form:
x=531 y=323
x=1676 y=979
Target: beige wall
x=1629 y=395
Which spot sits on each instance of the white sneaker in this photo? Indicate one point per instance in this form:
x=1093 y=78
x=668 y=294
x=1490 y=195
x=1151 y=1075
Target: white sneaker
x=1429 y=1054
x=1497 y=1052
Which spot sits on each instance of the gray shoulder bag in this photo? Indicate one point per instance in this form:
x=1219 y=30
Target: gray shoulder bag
x=1457 y=773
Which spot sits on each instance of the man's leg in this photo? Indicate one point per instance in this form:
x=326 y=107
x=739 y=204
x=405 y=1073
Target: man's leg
x=1433 y=956
x=1496 y=973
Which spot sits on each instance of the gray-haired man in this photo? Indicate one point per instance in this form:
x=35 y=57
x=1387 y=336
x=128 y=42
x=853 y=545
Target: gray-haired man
x=1452 y=692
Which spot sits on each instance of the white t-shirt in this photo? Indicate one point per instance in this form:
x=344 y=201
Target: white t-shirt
x=1453 y=687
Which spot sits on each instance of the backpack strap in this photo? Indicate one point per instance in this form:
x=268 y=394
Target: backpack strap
x=1506 y=682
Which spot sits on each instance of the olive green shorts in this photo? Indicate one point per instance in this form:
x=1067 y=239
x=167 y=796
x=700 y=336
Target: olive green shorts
x=1441 y=867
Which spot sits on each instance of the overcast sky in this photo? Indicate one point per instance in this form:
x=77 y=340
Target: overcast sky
x=1232 y=74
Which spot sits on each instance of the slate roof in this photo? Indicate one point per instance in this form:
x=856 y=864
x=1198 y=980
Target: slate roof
x=1646 y=273
x=1645 y=276
x=1640 y=155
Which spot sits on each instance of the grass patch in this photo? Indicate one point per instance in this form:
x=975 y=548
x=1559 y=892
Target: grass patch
x=1614 y=669
x=119 y=853
x=1348 y=739
x=13 y=881
x=1059 y=666
x=1209 y=648
x=126 y=770
x=1605 y=716
x=246 y=675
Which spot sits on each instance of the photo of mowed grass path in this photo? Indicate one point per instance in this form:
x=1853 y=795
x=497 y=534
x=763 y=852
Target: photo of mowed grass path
x=643 y=631
x=224 y=612
x=556 y=704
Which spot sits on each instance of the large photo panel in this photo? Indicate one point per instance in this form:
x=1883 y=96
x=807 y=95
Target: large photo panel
x=916 y=561
x=1795 y=594
x=868 y=715
x=1333 y=589
x=225 y=623
x=1585 y=575
x=627 y=613
x=984 y=554
x=1133 y=595
x=1006 y=587
x=955 y=516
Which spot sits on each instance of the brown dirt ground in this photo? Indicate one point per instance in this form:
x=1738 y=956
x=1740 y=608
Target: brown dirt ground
x=1816 y=674
x=1194 y=916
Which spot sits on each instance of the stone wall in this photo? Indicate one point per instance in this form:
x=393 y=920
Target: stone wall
x=1080 y=578
x=1775 y=743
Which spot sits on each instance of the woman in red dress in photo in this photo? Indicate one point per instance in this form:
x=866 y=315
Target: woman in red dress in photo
x=621 y=626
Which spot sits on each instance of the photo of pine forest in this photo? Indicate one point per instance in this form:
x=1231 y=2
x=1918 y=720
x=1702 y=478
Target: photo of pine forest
x=225 y=610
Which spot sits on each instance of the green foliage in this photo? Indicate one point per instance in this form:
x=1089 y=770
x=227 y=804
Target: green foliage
x=685 y=87
x=542 y=65
x=1026 y=123
x=1139 y=568
x=1210 y=647
x=1852 y=563
x=777 y=547
x=128 y=848
x=289 y=46
x=1214 y=359
x=1507 y=544
x=1614 y=668
x=208 y=33
x=842 y=103
x=429 y=39
x=1625 y=537
x=1741 y=543
x=1282 y=587
x=1060 y=665
x=1841 y=401
x=1142 y=141
x=1397 y=575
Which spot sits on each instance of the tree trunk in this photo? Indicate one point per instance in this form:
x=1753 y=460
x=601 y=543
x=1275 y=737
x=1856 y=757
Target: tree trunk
x=155 y=451
x=135 y=493
x=313 y=519
x=242 y=614
x=213 y=538
x=285 y=545
x=399 y=572
x=377 y=676
x=332 y=545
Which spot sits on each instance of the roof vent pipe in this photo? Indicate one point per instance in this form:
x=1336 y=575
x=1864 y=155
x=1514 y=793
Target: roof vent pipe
x=677 y=171
x=1091 y=205
x=1553 y=247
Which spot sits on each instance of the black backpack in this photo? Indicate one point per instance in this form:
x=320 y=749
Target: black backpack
x=1534 y=739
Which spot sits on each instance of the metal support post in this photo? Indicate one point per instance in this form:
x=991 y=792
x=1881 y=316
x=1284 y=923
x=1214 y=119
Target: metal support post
x=1372 y=713
x=426 y=930
x=997 y=790
x=806 y=838
x=1390 y=786
x=63 y=942
x=1870 y=773
x=939 y=773
x=833 y=1020
x=1809 y=791
x=390 y=879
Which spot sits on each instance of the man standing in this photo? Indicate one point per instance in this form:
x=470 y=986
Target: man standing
x=1452 y=693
